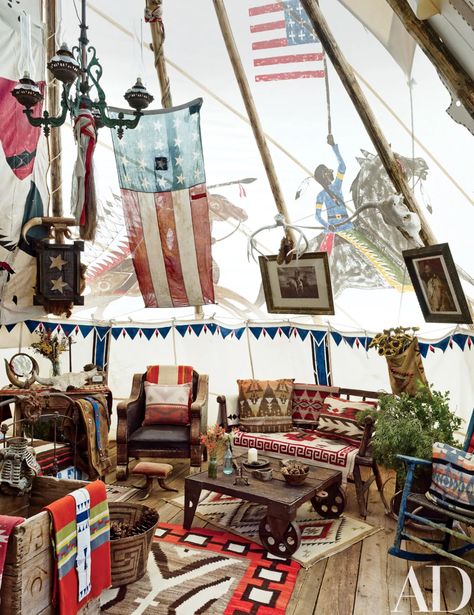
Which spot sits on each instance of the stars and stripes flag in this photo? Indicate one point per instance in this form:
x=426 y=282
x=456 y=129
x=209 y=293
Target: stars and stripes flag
x=163 y=185
x=278 y=30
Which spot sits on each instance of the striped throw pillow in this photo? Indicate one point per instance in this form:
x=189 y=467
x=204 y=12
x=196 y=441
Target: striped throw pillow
x=452 y=479
x=166 y=404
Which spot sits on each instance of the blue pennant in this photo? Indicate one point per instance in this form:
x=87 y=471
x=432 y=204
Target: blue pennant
x=442 y=344
x=85 y=329
x=132 y=332
x=101 y=332
x=163 y=331
x=423 y=349
x=303 y=333
x=68 y=328
x=116 y=331
x=148 y=333
x=182 y=329
x=460 y=339
x=337 y=337
x=197 y=329
x=239 y=332
x=272 y=331
x=256 y=331
x=225 y=332
x=286 y=330
x=10 y=328
x=31 y=325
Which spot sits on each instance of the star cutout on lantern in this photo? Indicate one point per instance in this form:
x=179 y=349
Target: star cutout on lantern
x=180 y=179
x=179 y=160
x=57 y=262
x=58 y=284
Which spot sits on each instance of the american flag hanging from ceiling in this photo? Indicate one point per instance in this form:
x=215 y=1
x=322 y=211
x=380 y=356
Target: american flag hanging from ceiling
x=276 y=29
x=163 y=185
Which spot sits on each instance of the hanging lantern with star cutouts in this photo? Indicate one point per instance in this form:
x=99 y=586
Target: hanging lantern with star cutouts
x=58 y=274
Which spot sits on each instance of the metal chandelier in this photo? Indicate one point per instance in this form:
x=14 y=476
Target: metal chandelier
x=80 y=68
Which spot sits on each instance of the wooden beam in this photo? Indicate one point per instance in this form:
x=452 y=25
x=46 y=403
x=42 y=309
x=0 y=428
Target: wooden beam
x=52 y=101
x=252 y=112
x=158 y=38
x=450 y=70
x=350 y=83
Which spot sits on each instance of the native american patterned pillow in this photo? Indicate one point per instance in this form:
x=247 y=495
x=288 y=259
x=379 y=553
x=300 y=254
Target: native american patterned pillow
x=265 y=405
x=452 y=479
x=338 y=419
x=308 y=401
x=166 y=404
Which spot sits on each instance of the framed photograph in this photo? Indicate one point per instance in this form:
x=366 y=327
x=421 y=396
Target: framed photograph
x=301 y=287
x=436 y=283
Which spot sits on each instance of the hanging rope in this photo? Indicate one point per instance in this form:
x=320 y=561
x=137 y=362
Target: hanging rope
x=154 y=16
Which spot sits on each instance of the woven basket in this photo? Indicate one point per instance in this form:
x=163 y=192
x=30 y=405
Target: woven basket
x=129 y=556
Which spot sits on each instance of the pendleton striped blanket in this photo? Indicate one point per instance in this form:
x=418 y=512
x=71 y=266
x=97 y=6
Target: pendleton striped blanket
x=65 y=521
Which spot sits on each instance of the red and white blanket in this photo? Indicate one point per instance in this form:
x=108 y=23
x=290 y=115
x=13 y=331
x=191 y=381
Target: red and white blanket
x=323 y=452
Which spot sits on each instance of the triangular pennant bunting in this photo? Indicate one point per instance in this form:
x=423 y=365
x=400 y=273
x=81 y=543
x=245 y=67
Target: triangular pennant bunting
x=337 y=337
x=423 y=349
x=116 y=331
x=85 y=329
x=256 y=331
x=163 y=331
x=197 y=329
x=148 y=333
x=318 y=336
x=31 y=325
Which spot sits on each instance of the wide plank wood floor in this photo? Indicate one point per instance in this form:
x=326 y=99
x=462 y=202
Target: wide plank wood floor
x=362 y=580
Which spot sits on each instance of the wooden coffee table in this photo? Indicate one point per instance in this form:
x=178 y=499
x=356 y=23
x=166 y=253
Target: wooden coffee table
x=278 y=531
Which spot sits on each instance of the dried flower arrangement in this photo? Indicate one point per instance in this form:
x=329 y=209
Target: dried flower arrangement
x=50 y=345
x=214 y=437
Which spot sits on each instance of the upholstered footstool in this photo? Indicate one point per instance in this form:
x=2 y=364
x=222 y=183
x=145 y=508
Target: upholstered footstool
x=150 y=471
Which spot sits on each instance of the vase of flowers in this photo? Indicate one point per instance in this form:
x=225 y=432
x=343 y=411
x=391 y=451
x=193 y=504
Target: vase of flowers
x=213 y=440
x=50 y=345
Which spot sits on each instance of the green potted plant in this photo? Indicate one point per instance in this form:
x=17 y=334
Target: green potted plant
x=410 y=425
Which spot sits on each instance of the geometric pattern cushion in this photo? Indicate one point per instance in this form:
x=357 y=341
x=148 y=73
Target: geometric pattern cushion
x=169 y=374
x=308 y=400
x=166 y=404
x=265 y=405
x=338 y=419
x=452 y=479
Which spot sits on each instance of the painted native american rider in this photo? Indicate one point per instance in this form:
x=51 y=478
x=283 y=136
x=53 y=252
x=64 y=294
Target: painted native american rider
x=358 y=259
x=331 y=197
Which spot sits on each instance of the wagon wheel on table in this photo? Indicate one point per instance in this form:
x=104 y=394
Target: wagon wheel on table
x=287 y=545
x=329 y=504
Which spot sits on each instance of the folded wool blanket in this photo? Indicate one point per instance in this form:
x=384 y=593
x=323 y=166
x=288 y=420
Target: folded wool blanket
x=82 y=565
x=7 y=524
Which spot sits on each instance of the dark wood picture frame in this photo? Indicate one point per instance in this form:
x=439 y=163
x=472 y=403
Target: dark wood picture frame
x=301 y=287
x=436 y=283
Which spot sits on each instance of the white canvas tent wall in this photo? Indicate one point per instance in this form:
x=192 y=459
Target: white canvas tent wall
x=293 y=114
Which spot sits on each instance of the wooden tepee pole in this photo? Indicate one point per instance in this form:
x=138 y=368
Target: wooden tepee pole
x=157 y=34
x=451 y=72
x=50 y=17
x=252 y=112
x=346 y=74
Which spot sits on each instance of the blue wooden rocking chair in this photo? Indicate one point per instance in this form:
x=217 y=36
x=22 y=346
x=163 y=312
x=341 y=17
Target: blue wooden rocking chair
x=438 y=548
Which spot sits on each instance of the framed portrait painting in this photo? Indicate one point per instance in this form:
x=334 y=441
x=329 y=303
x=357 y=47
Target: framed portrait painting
x=436 y=283
x=301 y=287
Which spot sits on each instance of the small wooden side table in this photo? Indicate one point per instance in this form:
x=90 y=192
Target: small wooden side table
x=279 y=533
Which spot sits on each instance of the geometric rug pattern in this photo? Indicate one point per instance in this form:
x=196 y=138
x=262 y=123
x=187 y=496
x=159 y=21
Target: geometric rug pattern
x=205 y=571
x=320 y=538
x=121 y=493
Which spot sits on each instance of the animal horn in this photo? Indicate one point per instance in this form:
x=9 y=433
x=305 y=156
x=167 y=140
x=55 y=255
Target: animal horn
x=29 y=225
x=11 y=375
x=44 y=381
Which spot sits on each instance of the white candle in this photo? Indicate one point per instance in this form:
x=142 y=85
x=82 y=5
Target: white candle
x=252 y=455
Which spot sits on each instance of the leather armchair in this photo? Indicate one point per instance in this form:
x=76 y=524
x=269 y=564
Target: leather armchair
x=163 y=441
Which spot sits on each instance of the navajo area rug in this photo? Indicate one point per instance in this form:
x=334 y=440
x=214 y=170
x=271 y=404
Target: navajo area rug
x=320 y=538
x=205 y=571
x=121 y=493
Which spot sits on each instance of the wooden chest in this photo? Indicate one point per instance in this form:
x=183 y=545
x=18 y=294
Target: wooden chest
x=28 y=576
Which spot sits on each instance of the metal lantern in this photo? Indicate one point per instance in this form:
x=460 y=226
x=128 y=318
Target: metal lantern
x=27 y=92
x=64 y=66
x=138 y=97
x=58 y=273
x=18 y=467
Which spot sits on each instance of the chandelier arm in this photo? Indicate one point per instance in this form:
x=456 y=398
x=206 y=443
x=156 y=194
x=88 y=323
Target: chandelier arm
x=46 y=121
